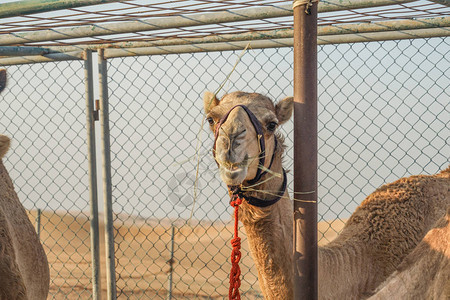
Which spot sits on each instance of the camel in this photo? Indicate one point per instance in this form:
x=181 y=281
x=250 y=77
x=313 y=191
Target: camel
x=387 y=225
x=425 y=272
x=24 y=271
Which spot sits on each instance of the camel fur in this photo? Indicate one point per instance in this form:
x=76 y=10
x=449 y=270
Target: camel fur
x=24 y=271
x=383 y=230
x=425 y=272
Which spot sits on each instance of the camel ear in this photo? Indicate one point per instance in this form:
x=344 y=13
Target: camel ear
x=284 y=109
x=4 y=145
x=2 y=79
x=209 y=101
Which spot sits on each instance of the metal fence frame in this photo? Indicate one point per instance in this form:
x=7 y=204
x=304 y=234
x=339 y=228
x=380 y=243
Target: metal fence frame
x=286 y=38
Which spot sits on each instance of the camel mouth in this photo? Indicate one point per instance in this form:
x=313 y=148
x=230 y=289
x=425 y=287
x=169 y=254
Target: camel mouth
x=233 y=176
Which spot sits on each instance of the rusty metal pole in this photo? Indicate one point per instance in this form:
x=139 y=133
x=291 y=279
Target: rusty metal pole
x=305 y=150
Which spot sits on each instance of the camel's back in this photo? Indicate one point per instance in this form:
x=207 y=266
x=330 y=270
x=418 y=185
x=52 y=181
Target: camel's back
x=394 y=219
x=30 y=255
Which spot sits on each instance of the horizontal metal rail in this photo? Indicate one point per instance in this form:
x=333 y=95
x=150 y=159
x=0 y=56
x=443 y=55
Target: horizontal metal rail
x=279 y=43
x=382 y=26
x=150 y=24
x=273 y=34
x=23 y=51
x=20 y=60
x=383 y=36
x=238 y=45
x=275 y=43
x=443 y=2
x=26 y=7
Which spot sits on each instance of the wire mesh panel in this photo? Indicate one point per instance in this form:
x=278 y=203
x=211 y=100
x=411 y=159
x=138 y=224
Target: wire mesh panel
x=43 y=113
x=156 y=116
x=384 y=111
x=383 y=114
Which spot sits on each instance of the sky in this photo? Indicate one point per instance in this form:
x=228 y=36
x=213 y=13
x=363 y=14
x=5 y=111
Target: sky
x=383 y=114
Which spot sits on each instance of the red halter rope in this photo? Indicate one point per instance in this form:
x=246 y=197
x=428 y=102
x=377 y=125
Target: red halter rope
x=235 y=273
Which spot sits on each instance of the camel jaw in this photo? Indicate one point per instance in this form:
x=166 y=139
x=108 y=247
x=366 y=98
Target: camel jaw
x=232 y=177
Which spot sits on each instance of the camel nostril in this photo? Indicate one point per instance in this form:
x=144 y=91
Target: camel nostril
x=240 y=134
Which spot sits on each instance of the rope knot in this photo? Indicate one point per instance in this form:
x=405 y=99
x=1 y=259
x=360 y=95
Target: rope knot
x=236 y=243
x=236 y=201
x=235 y=273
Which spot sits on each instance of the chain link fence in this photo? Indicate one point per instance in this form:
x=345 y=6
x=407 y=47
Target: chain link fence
x=43 y=112
x=383 y=114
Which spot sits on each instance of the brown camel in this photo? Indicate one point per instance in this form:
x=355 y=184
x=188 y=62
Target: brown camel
x=24 y=272
x=383 y=230
x=425 y=272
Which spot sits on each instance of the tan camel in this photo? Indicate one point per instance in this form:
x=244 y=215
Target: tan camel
x=24 y=272
x=383 y=230
x=425 y=272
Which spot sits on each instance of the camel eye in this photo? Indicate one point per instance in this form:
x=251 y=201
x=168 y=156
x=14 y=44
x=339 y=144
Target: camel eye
x=271 y=126
x=210 y=121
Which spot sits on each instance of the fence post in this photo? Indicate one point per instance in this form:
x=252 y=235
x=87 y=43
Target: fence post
x=305 y=150
x=38 y=223
x=171 y=261
x=107 y=188
x=92 y=166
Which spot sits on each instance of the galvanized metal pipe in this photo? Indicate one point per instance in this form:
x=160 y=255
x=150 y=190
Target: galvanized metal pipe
x=22 y=51
x=75 y=55
x=92 y=167
x=305 y=153
x=382 y=26
x=38 y=223
x=171 y=262
x=383 y=36
x=20 y=8
x=107 y=186
x=220 y=38
x=279 y=43
x=275 y=43
x=443 y=2
x=253 y=13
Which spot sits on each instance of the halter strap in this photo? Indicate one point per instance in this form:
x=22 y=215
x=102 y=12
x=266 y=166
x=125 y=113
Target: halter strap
x=261 y=202
x=259 y=133
x=262 y=149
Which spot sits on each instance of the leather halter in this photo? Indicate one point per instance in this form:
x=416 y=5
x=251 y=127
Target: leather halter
x=259 y=173
x=259 y=133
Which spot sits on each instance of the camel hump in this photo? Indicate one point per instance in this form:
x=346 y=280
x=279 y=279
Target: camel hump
x=4 y=145
x=2 y=79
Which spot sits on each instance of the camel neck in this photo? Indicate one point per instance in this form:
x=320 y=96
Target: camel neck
x=269 y=232
x=347 y=260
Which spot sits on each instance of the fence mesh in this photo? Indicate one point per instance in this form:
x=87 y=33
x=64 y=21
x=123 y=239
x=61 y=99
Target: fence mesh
x=383 y=114
x=43 y=112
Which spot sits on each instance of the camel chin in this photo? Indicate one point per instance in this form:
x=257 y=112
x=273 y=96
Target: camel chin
x=233 y=177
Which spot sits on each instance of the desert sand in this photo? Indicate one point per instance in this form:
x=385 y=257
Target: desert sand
x=201 y=257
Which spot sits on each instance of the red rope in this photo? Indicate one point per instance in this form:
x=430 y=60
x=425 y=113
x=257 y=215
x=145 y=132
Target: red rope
x=235 y=273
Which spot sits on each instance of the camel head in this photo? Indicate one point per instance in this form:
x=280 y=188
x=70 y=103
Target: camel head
x=237 y=145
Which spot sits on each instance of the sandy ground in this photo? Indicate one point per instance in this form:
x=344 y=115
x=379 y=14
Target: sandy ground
x=201 y=255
